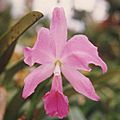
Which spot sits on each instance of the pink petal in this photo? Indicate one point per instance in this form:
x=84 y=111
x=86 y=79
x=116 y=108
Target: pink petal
x=82 y=60
x=80 y=83
x=58 y=29
x=36 y=77
x=77 y=61
x=28 y=59
x=56 y=104
x=43 y=50
x=79 y=52
x=44 y=41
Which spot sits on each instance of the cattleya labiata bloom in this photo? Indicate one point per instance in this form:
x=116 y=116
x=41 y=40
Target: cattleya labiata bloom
x=57 y=55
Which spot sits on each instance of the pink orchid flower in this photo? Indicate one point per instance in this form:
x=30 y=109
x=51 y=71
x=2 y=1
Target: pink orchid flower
x=57 y=55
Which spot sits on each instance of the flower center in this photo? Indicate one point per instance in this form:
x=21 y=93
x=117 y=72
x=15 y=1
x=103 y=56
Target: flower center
x=57 y=70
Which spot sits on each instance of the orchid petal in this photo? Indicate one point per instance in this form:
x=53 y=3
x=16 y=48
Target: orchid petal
x=80 y=83
x=36 y=77
x=55 y=102
x=42 y=52
x=58 y=29
x=81 y=60
x=80 y=52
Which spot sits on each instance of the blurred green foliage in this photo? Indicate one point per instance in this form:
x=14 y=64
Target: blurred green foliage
x=105 y=35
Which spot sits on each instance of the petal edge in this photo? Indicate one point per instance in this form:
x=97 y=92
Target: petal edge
x=80 y=83
x=36 y=77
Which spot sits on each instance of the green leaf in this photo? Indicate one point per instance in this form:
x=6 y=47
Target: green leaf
x=18 y=29
x=76 y=114
x=9 y=73
x=14 y=107
x=4 y=59
x=9 y=39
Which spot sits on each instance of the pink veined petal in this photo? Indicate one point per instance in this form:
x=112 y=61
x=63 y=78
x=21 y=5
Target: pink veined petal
x=77 y=62
x=81 y=60
x=42 y=52
x=44 y=41
x=55 y=102
x=79 y=52
x=79 y=43
x=36 y=77
x=80 y=83
x=58 y=30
